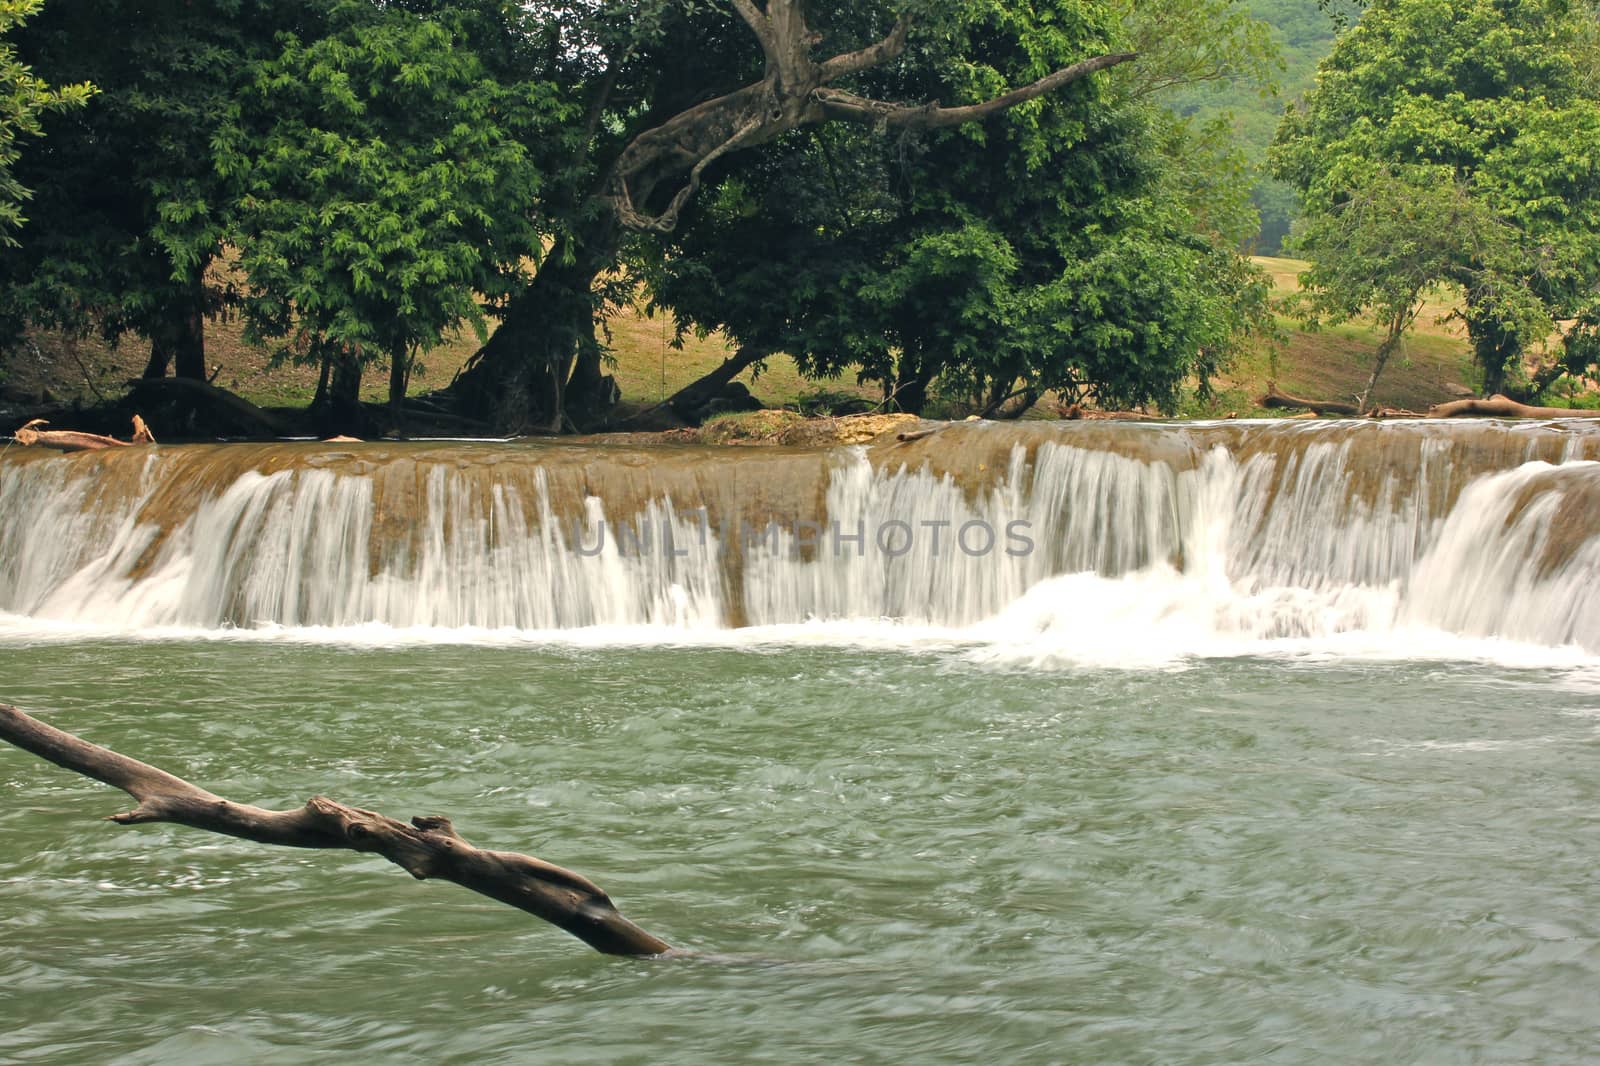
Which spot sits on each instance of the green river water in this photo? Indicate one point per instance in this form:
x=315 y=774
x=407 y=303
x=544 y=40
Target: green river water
x=879 y=856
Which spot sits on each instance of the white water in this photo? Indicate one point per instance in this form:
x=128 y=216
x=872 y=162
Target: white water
x=1079 y=555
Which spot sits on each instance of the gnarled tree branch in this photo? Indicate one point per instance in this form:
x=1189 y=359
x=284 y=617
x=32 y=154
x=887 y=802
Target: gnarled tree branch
x=761 y=26
x=875 y=55
x=793 y=95
x=849 y=107
x=427 y=848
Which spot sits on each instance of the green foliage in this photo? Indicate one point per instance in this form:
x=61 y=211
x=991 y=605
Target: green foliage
x=128 y=208
x=1053 y=247
x=24 y=99
x=382 y=180
x=1251 y=105
x=1454 y=142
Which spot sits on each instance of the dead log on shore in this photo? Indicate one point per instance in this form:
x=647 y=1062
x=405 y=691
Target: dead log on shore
x=1076 y=412
x=1498 y=406
x=1277 y=399
x=71 y=440
x=427 y=848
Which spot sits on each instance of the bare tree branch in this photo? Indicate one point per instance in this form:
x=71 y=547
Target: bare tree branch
x=874 y=55
x=837 y=104
x=427 y=848
x=668 y=219
x=761 y=26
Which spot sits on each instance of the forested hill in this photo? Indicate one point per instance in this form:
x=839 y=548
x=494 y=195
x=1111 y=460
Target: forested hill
x=1304 y=33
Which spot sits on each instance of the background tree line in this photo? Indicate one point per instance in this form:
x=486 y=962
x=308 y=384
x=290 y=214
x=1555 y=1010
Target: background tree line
x=988 y=195
x=354 y=178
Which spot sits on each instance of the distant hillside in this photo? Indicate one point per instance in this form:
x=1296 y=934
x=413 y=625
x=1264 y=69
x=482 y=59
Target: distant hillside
x=1305 y=34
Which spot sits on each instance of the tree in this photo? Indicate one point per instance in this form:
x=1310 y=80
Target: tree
x=1061 y=246
x=24 y=100
x=127 y=216
x=383 y=186
x=1397 y=234
x=1484 y=104
x=659 y=123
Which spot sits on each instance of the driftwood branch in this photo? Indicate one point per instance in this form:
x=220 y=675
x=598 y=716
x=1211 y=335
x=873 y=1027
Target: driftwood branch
x=1498 y=406
x=427 y=848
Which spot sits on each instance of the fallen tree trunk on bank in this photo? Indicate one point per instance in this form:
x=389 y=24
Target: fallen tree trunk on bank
x=1498 y=406
x=71 y=440
x=427 y=848
x=1277 y=399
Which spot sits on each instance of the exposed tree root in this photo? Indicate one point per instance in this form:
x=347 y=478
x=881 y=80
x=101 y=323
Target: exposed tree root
x=427 y=848
x=1277 y=399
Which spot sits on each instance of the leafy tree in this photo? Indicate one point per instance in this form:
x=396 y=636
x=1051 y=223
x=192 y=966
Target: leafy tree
x=1055 y=247
x=1484 y=104
x=24 y=99
x=664 y=120
x=383 y=185
x=128 y=209
x=1394 y=236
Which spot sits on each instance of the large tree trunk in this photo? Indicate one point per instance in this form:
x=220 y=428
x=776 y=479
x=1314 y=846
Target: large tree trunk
x=519 y=380
x=524 y=377
x=399 y=376
x=689 y=403
x=190 y=355
x=912 y=378
x=160 y=358
x=427 y=848
x=341 y=414
x=181 y=335
x=1494 y=348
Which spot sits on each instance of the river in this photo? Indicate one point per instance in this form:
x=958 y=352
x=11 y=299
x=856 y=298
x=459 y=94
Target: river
x=1279 y=743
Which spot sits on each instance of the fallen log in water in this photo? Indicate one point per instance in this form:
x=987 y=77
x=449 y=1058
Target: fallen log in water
x=1498 y=406
x=427 y=848
x=1275 y=398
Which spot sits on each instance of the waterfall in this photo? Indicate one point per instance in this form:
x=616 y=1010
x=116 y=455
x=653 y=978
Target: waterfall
x=1001 y=533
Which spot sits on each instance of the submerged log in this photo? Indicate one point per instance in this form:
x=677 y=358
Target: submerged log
x=1277 y=399
x=427 y=848
x=1498 y=406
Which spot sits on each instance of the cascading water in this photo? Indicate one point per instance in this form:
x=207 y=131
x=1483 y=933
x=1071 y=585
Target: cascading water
x=1193 y=538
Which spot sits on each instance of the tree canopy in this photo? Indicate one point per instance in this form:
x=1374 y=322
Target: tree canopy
x=24 y=100
x=1454 y=142
x=981 y=193
x=384 y=184
x=129 y=208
